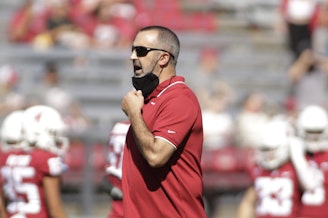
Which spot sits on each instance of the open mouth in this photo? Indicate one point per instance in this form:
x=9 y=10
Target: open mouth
x=137 y=69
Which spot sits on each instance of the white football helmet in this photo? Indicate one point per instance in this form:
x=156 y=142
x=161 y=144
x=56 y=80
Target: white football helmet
x=12 y=136
x=273 y=151
x=44 y=128
x=312 y=127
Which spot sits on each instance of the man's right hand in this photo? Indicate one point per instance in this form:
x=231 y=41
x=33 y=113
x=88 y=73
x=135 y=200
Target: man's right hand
x=132 y=102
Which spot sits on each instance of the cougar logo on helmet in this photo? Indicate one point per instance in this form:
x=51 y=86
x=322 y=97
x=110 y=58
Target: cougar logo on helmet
x=45 y=128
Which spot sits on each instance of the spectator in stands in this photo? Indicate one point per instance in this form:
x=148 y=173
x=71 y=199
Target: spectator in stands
x=215 y=97
x=218 y=123
x=28 y=21
x=250 y=120
x=51 y=93
x=10 y=98
x=111 y=27
x=299 y=17
x=308 y=77
x=81 y=13
x=206 y=79
x=320 y=34
x=60 y=28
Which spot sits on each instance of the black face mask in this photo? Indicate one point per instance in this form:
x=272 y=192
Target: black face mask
x=146 y=84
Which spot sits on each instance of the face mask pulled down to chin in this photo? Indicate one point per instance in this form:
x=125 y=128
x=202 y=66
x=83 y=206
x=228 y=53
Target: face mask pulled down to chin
x=146 y=84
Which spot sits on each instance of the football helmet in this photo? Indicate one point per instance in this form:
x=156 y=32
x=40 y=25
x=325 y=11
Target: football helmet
x=44 y=128
x=12 y=136
x=312 y=126
x=273 y=150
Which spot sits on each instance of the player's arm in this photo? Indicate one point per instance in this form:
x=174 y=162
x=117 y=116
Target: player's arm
x=53 y=196
x=156 y=151
x=301 y=65
x=2 y=204
x=246 y=208
x=309 y=177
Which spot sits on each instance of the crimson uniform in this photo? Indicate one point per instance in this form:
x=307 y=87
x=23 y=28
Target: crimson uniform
x=315 y=203
x=22 y=176
x=278 y=192
x=172 y=113
x=115 y=159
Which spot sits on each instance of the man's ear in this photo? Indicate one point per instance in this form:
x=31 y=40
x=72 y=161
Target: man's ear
x=164 y=60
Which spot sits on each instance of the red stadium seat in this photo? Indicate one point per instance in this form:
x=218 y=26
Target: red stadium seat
x=224 y=169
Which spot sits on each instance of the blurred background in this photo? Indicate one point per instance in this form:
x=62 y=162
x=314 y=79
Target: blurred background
x=236 y=55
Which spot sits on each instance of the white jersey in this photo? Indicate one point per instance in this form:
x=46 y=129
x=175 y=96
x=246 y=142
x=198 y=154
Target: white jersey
x=116 y=146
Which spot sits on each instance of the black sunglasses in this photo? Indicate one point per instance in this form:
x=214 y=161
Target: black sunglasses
x=142 y=51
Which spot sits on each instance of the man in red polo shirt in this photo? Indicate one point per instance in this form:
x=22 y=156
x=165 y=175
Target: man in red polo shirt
x=162 y=175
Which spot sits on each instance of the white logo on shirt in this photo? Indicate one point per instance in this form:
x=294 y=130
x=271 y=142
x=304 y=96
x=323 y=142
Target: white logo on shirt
x=170 y=131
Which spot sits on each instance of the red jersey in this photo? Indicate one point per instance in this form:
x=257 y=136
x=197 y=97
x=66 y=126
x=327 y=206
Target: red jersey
x=278 y=192
x=171 y=112
x=22 y=178
x=315 y=203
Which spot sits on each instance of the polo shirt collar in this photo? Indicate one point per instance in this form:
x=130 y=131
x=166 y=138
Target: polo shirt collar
x=164 y=85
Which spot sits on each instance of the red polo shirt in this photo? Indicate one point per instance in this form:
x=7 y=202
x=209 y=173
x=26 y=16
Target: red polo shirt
x=171 y=112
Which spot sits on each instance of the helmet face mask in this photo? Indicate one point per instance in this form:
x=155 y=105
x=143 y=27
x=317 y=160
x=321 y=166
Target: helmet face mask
x=312 y=128
x=272 y=158
x=315 y=140
x=53 y=142
x=273 y=150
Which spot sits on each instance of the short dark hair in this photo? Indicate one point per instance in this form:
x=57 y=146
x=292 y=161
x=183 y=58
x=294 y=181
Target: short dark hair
x=168 y=39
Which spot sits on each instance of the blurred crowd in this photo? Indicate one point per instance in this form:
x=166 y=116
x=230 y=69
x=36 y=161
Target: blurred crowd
x=235 y=121
x=238 y=119
x=47 y=90
x=100 y=24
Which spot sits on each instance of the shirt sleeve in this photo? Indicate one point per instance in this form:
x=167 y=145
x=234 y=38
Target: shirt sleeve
x=175 y=120
x=51 y=165
x=55 y=165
